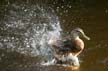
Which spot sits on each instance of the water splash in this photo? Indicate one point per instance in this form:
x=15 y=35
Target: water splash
x=27 y=29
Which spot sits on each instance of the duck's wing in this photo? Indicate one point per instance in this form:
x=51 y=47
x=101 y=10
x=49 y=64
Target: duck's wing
x=66 y=46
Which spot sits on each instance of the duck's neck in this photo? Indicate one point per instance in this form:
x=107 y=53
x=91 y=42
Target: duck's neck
x=77 y=38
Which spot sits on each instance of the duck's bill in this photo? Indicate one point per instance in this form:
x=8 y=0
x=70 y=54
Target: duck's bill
x=88 y=38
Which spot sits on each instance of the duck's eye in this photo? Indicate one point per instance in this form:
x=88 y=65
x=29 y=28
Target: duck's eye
x=77 y=31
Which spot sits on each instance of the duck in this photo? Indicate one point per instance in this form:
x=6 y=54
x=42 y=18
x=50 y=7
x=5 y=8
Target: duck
x=69 y=49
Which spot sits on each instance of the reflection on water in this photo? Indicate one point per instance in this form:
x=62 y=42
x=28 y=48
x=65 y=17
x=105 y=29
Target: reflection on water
x=20 y=36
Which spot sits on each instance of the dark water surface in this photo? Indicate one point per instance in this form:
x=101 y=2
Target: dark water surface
x=91 y=16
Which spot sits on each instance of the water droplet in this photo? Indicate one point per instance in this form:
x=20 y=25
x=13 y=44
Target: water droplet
x=12 y=37
x=2 y=55
x=61 y=13
x=62 y=6
x=58 y=7
x=25 y=10
x=106 y=11
x=70 y=6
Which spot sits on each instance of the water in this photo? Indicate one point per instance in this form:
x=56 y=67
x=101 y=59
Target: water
x=25 y=27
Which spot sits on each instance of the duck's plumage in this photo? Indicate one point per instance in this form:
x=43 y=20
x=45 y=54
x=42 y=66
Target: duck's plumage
x=72 y=46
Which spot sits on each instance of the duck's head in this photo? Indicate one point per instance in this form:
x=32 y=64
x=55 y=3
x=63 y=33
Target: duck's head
x=77 y=32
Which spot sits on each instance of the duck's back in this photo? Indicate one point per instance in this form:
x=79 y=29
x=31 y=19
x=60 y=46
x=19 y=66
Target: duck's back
x=68 y=46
